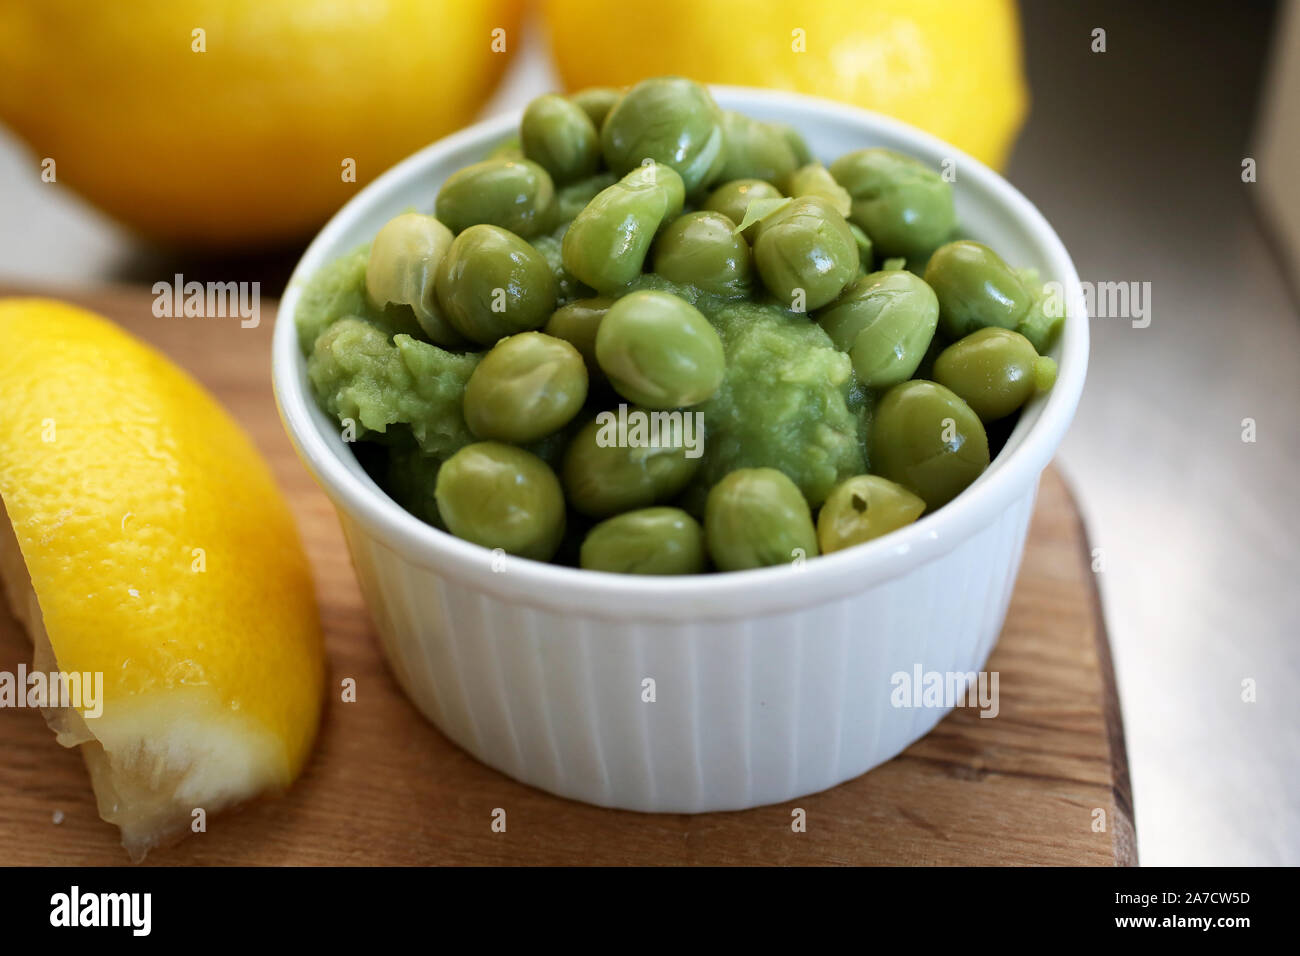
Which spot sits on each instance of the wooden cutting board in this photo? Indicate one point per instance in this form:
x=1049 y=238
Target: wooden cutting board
x=385 y=787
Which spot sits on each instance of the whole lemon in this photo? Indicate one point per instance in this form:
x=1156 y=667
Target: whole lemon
x=237 y=122
x=952 y=68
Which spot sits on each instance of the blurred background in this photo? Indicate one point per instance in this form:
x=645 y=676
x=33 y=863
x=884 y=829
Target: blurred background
x=1164 y=150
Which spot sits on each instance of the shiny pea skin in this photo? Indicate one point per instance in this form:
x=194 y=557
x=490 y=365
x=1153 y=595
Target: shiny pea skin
x=528 y=386
x=669 y=120
x=646 y=541
x=515 y=194
x=613 y=463
x=816 y=180
x=606 y=244
x=805 y=254
x=500 y=496
x=733 y=198
x=757 y=517
x=976 y=289
x=577 y=323
x=885 y=322
x=994 y=371
x=559 y=136
x=402 y=270
x=702 y=249
x=928 y=440
x=755 y=150
x=659 y=351
x=902 y=204
x=491 y=283
x=596 y=102
x=863 y=508
x=759 y=214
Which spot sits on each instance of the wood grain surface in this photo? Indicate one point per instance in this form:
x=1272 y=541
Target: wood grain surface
x=385 y=787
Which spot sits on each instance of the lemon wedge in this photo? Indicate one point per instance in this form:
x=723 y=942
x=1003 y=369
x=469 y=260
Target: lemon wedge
x=142 y=538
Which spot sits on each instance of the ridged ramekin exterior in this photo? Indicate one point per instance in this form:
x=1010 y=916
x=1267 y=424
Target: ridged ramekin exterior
x=747 y=710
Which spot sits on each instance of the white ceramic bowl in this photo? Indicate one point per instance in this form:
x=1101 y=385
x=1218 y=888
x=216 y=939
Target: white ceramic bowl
x=768 y=684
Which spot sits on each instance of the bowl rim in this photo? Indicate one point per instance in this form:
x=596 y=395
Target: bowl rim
x=1013 y=474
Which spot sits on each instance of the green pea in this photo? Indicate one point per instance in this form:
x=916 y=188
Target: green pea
x=503 y=497
x=794 y=139
x=733 y=198
x=756 y=517
x=506 y=149
x=759 y=214
x=646 y=541
x=866 y=253
x=608 y=469
x=577 y=323
x=885 y=321
x=816 y=180
x=402 y=270
x=491 y=284
x=567 y=286
x=672 y=121
x=606 y=245
x=1045 y=372
x=805 y=253
x=864 y=508
x=702 y=249
x=526 y=387
x=659 y=351
x=928 y=440
x=994 y=371
x=596 y=102
x=1043 y=321
x=573 y=198
x=515 y=194
x=755 y=150
x=901 y=203
x=976 y=289
x=558 y=135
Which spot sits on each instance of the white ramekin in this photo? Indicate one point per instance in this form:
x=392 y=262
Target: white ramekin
x=767 y=684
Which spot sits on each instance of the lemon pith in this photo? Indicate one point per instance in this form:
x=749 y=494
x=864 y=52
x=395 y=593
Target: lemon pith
x=155 y=549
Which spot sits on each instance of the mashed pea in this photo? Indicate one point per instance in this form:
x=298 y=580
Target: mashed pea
x=783 y=404
x=339 y=289
x=358 y=373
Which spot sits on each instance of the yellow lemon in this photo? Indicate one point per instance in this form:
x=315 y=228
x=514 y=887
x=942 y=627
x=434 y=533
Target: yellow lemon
x=146 y=542
x=234 y=122
x=953 y=69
